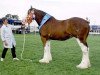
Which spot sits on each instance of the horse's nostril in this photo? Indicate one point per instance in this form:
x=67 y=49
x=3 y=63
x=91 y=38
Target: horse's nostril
x=33 y=18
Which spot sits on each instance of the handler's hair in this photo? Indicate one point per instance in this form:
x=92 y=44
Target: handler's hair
x=3 y=19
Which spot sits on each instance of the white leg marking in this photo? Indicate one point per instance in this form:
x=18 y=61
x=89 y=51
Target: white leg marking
x=47 y=54
x=85 y=63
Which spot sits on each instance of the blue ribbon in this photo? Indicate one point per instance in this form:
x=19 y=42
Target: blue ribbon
x=45 y=18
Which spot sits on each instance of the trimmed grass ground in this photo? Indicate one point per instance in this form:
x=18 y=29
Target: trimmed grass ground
x=66 y=55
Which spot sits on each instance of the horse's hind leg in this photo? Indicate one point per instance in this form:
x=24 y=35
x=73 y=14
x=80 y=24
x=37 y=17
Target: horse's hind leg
x=85 y=63
x=47 y=54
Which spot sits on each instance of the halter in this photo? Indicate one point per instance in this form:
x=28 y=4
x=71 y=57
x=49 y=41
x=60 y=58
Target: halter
x=44 y=20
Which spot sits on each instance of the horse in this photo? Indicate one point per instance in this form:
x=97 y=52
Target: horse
x=53 y=29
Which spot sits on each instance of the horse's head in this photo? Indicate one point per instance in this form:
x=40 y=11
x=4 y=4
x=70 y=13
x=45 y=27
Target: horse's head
x=30 y=16
x=34 y=14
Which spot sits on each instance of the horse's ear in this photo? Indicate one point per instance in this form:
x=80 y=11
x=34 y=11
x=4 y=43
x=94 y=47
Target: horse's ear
x=31 y=7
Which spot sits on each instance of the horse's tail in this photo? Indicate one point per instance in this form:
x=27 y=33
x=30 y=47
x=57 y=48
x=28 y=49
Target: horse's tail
x=88 y=20
x=88 y=27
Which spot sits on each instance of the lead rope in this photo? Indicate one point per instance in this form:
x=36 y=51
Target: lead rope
x=24 y=48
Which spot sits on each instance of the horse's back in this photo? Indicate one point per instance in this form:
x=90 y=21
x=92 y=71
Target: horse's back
x=78 y=27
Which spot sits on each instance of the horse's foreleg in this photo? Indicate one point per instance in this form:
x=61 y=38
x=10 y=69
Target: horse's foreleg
x=47 y=51
x=85 y=63
x=47 y=54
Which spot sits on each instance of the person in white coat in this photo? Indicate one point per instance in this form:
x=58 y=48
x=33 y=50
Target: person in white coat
x=8 y=39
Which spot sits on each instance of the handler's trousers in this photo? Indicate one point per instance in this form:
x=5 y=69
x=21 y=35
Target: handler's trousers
x=12 y=51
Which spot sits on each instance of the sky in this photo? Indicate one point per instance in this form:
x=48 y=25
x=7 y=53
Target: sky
x=60 y=9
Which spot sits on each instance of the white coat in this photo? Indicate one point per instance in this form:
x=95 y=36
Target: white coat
x=7 y=35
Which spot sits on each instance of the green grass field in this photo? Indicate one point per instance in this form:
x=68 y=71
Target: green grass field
x=66 y=55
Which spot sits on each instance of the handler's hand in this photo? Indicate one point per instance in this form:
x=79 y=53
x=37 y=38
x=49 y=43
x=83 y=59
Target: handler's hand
x=6 y=44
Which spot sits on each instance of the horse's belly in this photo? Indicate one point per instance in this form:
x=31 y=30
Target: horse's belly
x=59 y=37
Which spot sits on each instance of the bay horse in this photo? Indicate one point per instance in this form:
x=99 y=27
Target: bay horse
x=53 y=29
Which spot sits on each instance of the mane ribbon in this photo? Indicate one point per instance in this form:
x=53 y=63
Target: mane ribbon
x=44 y=20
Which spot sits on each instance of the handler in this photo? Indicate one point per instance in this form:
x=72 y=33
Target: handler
x=8 y=39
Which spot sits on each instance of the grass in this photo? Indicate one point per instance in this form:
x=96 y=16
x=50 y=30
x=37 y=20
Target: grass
x=66 y=55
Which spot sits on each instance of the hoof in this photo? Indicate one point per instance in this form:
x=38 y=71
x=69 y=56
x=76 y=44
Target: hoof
x=43 y=61
x=83 y=66
x=50 y=59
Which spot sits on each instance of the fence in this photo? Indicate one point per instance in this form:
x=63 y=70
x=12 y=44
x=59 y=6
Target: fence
x=95 y=32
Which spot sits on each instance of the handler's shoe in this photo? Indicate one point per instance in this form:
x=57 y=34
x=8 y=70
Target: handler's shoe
x=15 y=59
x=2 y=59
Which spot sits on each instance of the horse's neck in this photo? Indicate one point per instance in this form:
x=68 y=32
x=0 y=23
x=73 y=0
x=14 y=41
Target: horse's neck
x=39 y=16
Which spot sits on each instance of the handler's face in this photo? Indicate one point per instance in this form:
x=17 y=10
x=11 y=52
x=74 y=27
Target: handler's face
x=6 y=22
